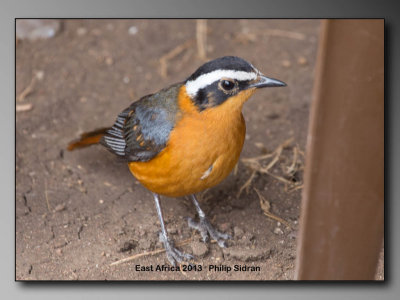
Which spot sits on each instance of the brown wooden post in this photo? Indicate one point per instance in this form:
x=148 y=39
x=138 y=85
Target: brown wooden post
x=342 y=214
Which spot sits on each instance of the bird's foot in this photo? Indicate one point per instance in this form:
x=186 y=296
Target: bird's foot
x=205 y=228
x=174 y=255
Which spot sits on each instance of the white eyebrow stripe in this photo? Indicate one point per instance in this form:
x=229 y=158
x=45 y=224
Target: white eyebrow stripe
x=202 y=81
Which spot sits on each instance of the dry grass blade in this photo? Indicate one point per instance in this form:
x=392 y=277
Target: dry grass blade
x=247 y=184
x=266 y=206
x=236 y=169
x=301 y=152
x=279 y=149
x=171 y=54
x=277 y=177
x=264 y=203
x=297 y=187
x=293 y=167
x=203 y=197
x=28 y=90
x=23 y=107
x=257 y=158
x=286 y=143
x=157 y=251
x=46 y=196
x=285 y=33
x=254 y=164
x=278 y=153
x=201 y=37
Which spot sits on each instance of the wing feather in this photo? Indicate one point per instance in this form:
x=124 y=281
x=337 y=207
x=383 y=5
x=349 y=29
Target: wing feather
x=142 y=130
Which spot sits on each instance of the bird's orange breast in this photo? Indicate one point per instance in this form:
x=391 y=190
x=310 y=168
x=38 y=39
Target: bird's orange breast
x=202 y=149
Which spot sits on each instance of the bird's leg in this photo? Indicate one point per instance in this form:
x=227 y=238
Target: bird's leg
x=205 y=227
x=173 y=254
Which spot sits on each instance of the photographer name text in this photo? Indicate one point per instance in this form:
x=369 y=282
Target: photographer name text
x=197 y=268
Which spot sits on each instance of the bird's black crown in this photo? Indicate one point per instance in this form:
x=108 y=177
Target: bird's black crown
x=233 y=63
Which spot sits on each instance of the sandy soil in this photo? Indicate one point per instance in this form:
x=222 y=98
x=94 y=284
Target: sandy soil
x=78 y=212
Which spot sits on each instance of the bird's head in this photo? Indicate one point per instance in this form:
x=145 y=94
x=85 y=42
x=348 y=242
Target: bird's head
x=228 y=78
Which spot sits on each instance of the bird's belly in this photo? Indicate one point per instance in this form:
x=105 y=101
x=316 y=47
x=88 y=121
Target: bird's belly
x=195 y=158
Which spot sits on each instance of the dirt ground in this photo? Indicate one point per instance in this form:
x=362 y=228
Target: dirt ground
x=78 y=212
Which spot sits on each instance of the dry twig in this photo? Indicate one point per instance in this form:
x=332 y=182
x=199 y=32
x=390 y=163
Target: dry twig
x=284 y=33
x=201 y=37
x=297 y=187
x=266 y=206
x=46 y=196
x=203 y=197
x=170 y=55
x=254 y=163
x=28 y=90
x=247 y=184
x=293 y=167
x=23 y=107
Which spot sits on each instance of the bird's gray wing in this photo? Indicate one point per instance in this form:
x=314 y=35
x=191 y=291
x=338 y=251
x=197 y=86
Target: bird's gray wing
x=142 y=130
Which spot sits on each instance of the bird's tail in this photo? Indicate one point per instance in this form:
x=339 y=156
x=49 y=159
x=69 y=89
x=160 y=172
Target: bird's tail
x=87 y=139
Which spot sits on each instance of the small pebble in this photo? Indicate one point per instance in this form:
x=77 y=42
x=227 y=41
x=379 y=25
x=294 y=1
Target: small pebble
x=39 y=75
x=126 y=79
x=286 y=63
x=133 y=30
x=59 y=207
x=247 y=238
x=199 y=249
x=277 y=230
x=259 y=145
x=101 y=201
x=60 y=244
x=302 y=60
x=292 y=235
x=109 y=61
x=225 y=226
x=81 y=31
x=59 y=252
x=238 y=232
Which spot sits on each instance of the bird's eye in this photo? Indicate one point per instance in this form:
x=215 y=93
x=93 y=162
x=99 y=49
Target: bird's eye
x=227 y=84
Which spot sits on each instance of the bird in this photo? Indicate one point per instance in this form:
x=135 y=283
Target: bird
x=185 y=138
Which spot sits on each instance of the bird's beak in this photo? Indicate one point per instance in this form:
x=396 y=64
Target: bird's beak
x=264 y=81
